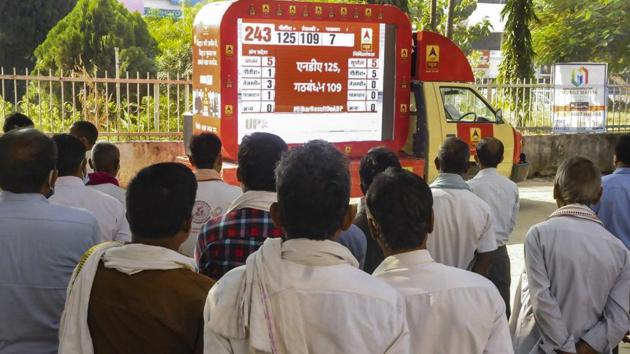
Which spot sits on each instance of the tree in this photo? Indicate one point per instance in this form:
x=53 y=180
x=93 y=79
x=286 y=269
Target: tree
x=174 y=38
x=463 y=34
x=584 y=30
x=518 y=53
x=24 y=26
x=87 y=37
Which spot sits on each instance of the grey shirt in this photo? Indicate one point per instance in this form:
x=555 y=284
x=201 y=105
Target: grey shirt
x=576 y=286
x=40 y=244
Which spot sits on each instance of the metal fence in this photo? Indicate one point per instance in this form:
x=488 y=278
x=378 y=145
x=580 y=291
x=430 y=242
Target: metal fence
x=133 y=107
x=528 y=105
x=123 y=108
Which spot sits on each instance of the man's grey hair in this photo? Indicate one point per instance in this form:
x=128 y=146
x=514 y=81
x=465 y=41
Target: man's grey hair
x=578 y=180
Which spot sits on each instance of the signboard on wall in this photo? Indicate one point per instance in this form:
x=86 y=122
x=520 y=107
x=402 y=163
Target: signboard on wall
x=579 y=104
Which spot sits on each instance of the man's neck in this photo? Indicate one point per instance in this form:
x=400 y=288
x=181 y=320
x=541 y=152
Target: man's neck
x=404 y=250
x=166 y=242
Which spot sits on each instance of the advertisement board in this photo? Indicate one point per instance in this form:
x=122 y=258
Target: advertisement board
x=579 y=100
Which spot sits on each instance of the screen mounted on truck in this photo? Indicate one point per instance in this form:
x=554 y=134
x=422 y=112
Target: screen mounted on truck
x=305 y=80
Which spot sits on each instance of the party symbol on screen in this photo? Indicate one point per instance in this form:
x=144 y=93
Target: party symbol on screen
x=368 y=12
x=403 y=108
x=366 y=39
x=229 y=50
x=404 y=53
x=475 y=135
x=292 y=9
x=265 y=8
x=318 y=10
x=344 y=11
x=229 y=110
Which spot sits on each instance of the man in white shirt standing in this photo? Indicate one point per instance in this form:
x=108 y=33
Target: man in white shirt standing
x=305 y=294
x=214 y=196
x=106 y=163
x=463 y=236
x=70 y=191
x=449 y=310
x=573 y=295
x=501 y=194
x=88 y=134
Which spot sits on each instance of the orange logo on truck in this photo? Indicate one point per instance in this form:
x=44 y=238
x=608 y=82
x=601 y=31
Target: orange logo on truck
x=433 y=58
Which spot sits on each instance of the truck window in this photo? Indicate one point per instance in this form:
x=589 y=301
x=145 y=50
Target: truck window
x=464 y=105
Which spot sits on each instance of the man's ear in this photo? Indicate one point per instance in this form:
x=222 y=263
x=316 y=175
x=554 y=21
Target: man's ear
x=556 y=192
x=191 y=160
x=187 y=225
x=52 y=178
x=218 y=163
x=238 y=174
x=83 y=167
x=437 y=163
x=276 y=215
x=431 y=222
x=502 y=158
x=477 y=160
x=466 y=167
x=117 y=168
x=348 y=219
x=91 y=163
x=599 y=195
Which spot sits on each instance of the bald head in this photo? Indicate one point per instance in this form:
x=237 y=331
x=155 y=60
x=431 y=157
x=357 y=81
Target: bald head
x=27 y=158
x=490 y=152
x=453 y=156
x=106 y=158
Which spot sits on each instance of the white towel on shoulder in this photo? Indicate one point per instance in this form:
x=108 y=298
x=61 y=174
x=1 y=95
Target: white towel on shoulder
x=74 y=334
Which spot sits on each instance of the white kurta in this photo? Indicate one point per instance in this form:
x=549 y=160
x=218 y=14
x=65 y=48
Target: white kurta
x=109 y=212
x=449 y=310
x=112 y=190
x=212 y=200
x=342 y=310
x=576 y=286
x=501 y=194
x=463 y=225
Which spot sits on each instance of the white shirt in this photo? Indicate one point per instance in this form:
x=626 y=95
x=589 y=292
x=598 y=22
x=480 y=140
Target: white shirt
x=346 y=310
x=463 y=225
x=213 y=199
x=576 y=285
x=501 y=194
x=70 y=191
x=112 y=190
x=449 y=310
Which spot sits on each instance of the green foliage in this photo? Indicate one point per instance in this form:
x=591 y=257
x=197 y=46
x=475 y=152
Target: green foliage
x=518 y=52
x=174 y=38
x=463 y=35
x=87 y=36
x=584 y=30
x=23 y=27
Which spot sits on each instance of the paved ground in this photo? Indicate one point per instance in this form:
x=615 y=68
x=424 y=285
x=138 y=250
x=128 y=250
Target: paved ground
x=536 y=205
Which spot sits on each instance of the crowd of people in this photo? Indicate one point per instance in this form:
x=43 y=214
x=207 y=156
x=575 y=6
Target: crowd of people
x=182 y=262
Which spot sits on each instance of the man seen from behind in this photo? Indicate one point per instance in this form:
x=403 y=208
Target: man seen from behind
x=143 y=296
x=305 y=294
x=40 y=244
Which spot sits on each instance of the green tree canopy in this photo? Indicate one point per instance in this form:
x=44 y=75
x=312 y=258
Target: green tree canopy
x=583 y=30
x=174 y=38
x=87 y=36
x=464 y=35
x=24 y=26
x=518 y=53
